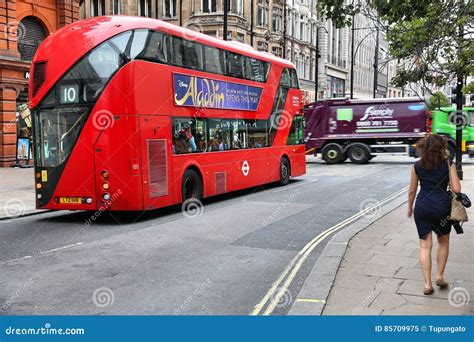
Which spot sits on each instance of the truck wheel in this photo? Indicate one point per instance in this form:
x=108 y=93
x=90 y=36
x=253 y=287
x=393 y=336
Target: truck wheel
x=359 y=153
x=191 y=185
x=333 y=154
x=285 y=171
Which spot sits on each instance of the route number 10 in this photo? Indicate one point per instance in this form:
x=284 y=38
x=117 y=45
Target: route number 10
x=69 y=94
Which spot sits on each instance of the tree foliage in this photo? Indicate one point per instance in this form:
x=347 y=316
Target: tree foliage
x=423 y=34
x=438 y=100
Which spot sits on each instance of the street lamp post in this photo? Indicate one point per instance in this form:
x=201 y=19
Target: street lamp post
x=354 y=53
x=226 y=9
x=316 y=69
x=376 y=63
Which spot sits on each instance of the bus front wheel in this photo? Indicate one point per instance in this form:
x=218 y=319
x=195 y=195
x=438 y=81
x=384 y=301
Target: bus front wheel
x=191 y=186
x=285 y=171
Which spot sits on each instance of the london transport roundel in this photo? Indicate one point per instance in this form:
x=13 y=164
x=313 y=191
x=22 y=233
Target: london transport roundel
x=245 y=168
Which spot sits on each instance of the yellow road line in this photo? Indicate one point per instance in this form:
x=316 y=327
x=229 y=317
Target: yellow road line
x=311 y=300
x=296 y=263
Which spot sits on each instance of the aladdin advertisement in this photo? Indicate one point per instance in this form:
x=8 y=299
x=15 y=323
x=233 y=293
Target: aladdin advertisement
x=193 y=91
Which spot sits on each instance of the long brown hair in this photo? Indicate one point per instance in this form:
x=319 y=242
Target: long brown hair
x=433 y=151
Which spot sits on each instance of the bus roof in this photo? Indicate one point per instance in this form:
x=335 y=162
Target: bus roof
x=62 y=49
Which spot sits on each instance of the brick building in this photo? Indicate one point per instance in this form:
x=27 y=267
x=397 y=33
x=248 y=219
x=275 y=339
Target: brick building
x=24 y=24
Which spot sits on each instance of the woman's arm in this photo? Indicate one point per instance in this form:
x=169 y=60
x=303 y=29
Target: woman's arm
x=412 y=191
x=455 y=183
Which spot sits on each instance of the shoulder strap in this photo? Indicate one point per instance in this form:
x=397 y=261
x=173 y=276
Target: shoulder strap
x=449 y=175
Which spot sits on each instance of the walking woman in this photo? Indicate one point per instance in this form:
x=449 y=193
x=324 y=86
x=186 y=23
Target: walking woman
x=433 y=205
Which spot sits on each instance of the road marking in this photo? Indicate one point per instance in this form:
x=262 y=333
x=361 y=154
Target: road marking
x=295 y=185
x=310 y=300
x=61 y=248
x=294 y=266
x=19 y=259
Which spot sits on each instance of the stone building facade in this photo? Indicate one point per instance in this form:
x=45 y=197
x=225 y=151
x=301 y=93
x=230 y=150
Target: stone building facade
x=24 y=24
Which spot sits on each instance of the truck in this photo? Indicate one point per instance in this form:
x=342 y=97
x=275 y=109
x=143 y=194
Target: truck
x=364 y=128
x=443 y=122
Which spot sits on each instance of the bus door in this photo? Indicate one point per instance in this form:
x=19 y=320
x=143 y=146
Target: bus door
x=117 y=161
x=156 y=160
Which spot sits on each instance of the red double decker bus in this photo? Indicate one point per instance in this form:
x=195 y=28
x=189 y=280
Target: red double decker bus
x=136 y=114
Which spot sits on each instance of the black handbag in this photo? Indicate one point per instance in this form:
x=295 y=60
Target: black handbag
x=465 y=201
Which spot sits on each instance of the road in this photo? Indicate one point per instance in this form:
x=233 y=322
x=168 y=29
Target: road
x=223 y=261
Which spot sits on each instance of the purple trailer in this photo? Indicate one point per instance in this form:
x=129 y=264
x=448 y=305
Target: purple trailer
x=361 y=129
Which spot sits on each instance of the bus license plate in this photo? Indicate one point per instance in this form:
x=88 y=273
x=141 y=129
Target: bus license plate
x=70 y=200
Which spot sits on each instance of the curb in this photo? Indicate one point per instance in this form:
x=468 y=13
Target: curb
x=312 y=297
x=26 y=214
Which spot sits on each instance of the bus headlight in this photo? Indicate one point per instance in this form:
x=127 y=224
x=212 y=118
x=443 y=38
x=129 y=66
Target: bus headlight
x=39 y=196
x=105 y=186
x=105 y=174
x=106 y=196
x=89 y=200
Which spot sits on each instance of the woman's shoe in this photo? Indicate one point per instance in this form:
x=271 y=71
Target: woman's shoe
x=442 y=284
x=428 y=291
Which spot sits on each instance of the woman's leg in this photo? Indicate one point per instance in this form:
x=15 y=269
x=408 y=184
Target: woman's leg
x=425 y=259
x=443 y=252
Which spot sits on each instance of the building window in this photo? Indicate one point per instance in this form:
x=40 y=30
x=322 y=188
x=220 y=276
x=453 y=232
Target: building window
x=144 y=8
x=277 y=51
x=262 y=12
x=116 y=7
x=209 y=6
x=97 y=8
x=239 y=7
x=33 y=34
x=169 y=8
x=276 y=19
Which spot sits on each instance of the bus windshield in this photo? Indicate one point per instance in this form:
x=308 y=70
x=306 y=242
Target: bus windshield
x=56 y=133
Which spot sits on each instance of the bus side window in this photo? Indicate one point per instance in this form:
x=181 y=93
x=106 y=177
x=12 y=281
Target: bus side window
x=156 y=48
x=285 y=78
x=235 y=67
x=220 y=133
x=257 y=133
x=296 y=131
x=189 y=135
x=254 y=70
x=294 y=79
x=138 y=44
x=193 y=55
x=177 y=52
x=214 y=60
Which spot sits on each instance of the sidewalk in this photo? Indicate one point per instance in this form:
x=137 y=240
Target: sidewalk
x=379 y=274
x=17 y=192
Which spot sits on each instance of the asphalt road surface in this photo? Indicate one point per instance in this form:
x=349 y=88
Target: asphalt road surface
x=163 y=263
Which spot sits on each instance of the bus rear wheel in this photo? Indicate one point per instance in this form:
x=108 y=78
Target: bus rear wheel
x=359 y=153
x=333 y=153
x=285 y=171
x=191 y=185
